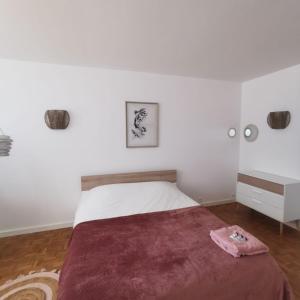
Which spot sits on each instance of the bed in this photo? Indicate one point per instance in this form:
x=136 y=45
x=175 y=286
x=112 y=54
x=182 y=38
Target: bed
x=136 y=236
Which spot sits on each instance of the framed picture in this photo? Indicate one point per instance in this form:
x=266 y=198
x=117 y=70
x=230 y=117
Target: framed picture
x=141 y=124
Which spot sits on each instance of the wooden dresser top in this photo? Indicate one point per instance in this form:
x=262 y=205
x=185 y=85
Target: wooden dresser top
x=270 y=177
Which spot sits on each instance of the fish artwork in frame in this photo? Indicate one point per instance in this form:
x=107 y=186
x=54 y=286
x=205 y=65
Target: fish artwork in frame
x=141 y=124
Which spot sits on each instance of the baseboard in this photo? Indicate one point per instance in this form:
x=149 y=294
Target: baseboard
x=32 y=229
x=217 y=202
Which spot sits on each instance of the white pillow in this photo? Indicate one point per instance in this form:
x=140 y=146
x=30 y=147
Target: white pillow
x=124 y=199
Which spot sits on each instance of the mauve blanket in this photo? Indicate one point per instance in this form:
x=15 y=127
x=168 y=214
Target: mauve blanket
x=163 y=255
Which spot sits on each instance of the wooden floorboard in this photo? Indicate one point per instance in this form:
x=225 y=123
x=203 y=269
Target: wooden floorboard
x=32 y=252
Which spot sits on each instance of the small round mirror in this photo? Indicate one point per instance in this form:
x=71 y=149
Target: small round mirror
x=251 y=133
x=248 y=132
x=232 y=132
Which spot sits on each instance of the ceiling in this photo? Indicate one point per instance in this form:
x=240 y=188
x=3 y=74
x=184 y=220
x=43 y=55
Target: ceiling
x=232 y=40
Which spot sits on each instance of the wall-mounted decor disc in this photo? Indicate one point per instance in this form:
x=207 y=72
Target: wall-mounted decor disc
x=251 y=132
x=231 y=132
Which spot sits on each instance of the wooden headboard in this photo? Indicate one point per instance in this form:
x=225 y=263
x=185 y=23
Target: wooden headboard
x=89 y=182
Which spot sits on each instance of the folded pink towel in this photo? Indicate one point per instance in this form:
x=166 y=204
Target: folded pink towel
x=237 y=242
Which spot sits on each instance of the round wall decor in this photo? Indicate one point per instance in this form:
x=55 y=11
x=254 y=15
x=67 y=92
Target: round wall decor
x=251 y=132
x=231 y=132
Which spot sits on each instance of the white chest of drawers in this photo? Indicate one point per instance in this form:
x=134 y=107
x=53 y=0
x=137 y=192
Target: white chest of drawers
x=275 y=196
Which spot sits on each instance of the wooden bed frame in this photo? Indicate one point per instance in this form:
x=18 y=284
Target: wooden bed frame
x=89 y=182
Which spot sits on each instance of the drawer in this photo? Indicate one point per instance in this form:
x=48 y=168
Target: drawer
x=268 y=198
x=259 y=205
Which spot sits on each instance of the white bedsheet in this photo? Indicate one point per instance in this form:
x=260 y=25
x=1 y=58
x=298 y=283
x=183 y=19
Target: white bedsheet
x=115 y=200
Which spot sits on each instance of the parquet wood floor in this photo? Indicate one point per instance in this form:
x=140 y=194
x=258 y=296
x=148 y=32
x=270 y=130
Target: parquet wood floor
x=32 y=252
x=25 y=253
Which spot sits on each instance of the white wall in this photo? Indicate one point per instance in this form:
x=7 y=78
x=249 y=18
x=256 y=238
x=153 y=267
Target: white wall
x=275 y=151
x=40 y=181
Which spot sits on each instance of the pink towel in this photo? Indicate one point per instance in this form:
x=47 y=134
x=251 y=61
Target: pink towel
x=250 y=246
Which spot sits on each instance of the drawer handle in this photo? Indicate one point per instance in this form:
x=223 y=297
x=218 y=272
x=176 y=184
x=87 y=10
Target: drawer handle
x=256 y=201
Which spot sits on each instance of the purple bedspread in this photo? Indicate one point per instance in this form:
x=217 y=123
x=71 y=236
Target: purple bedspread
x=163 y=255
